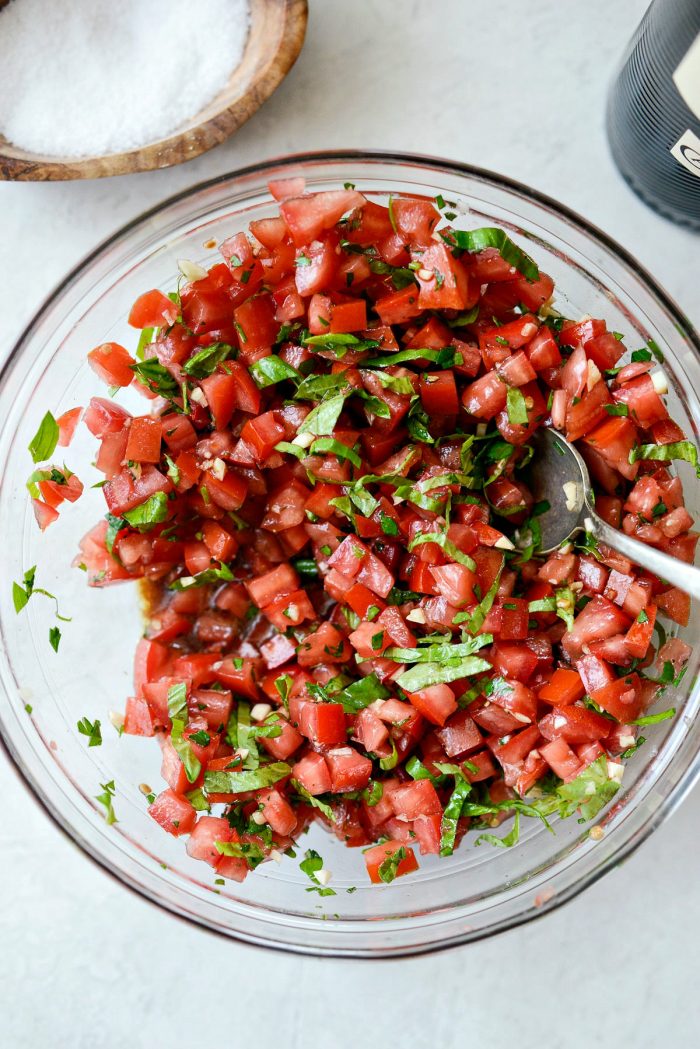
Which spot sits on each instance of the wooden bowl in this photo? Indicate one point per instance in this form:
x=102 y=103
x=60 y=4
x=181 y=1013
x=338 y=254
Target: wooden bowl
x=277 y=30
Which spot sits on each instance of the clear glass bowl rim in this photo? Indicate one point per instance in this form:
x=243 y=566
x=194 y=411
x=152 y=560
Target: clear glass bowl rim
x=276 y=166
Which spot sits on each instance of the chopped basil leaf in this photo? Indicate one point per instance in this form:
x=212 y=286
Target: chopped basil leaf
x=198 y=800
x=311 y=865
x=156 y=377
x=54 y=637
x=148 y=514
x=270 y=370
x=201 y=738
x=314 y=801
x=490 y=237
x=240 y=782
x=464 y=318
x=327 y=445
x=589 y=792
x=106 y=800
x=654 y=719
x=396 y=383
x=177 y=701
x=391 y=761
x=447 y=357
x=249 y=851
x=205 y=362
x=388 y=525
x=91 y=729
x=322 y=419
x=507 y=841
x=22 y=594
x=685 y=450
x=451 y=551
x=43 y=443
x=361 y=693
x=425 y=674
x=388 y=868
x=516 y=407
x=222 y=574
x=616 y=409
x=453 y=810
x=339 y=343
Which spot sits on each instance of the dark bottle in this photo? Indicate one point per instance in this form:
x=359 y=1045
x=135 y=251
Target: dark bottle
x=653 y=117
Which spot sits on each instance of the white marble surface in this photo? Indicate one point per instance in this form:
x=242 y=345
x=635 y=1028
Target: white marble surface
x=518 y=87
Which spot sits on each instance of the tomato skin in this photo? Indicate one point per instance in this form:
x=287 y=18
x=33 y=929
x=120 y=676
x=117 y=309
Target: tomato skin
x=312 y=772
x=103 y=417
x=561 y=759
x=436 y=703
x=399 y=306
x=485 y=397
x=153 y=309
x=228 y=493
x=444 y=281
x=438 y=393
x=460 y=735
x=256 y=324
x=614 y=439
x=262 y=434
x=143 y=444
x=414 y=219
x=308 y=216
x=123 y=492
x=326 y=645
x=67 y=424
x=349 y=316
x=564 y=687
x=349 y=770
x=315 y=267
x=574 y=724
x=174 y=813
x=622 y=698
x=112 y=363
x=137 y=717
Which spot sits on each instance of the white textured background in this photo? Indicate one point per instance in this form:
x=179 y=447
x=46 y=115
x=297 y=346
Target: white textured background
x=511 y=85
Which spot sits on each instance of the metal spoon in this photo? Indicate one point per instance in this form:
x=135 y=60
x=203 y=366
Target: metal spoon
x=559 y=476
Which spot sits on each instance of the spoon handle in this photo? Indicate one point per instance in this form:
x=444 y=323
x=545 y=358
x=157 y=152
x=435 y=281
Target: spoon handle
x=686 y=577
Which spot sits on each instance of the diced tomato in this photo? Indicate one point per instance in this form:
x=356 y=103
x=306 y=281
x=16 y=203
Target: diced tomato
x=174 y=813
x=438 y=393
x=206 y=832
x=308 y=216
x=436 y=703
x=349 y=316
x=575 y=724
x=313 y=774
x=137 y=717
x=622 y=698
x=143 y=443
x=112 y=363
x=153 y=309
x=561 y=759
x=379 y=854
x=564 y=687
x=349 y=770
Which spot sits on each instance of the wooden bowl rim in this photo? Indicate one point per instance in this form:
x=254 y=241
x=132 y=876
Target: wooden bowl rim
x=19 y=165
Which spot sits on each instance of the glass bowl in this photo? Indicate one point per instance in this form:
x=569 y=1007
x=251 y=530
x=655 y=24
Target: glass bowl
x=476 y=892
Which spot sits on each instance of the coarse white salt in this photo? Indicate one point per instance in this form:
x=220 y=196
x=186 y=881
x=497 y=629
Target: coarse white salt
x=88 y=77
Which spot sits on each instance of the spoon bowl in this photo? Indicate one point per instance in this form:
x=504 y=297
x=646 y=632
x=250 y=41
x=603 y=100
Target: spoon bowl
x=559 y=478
